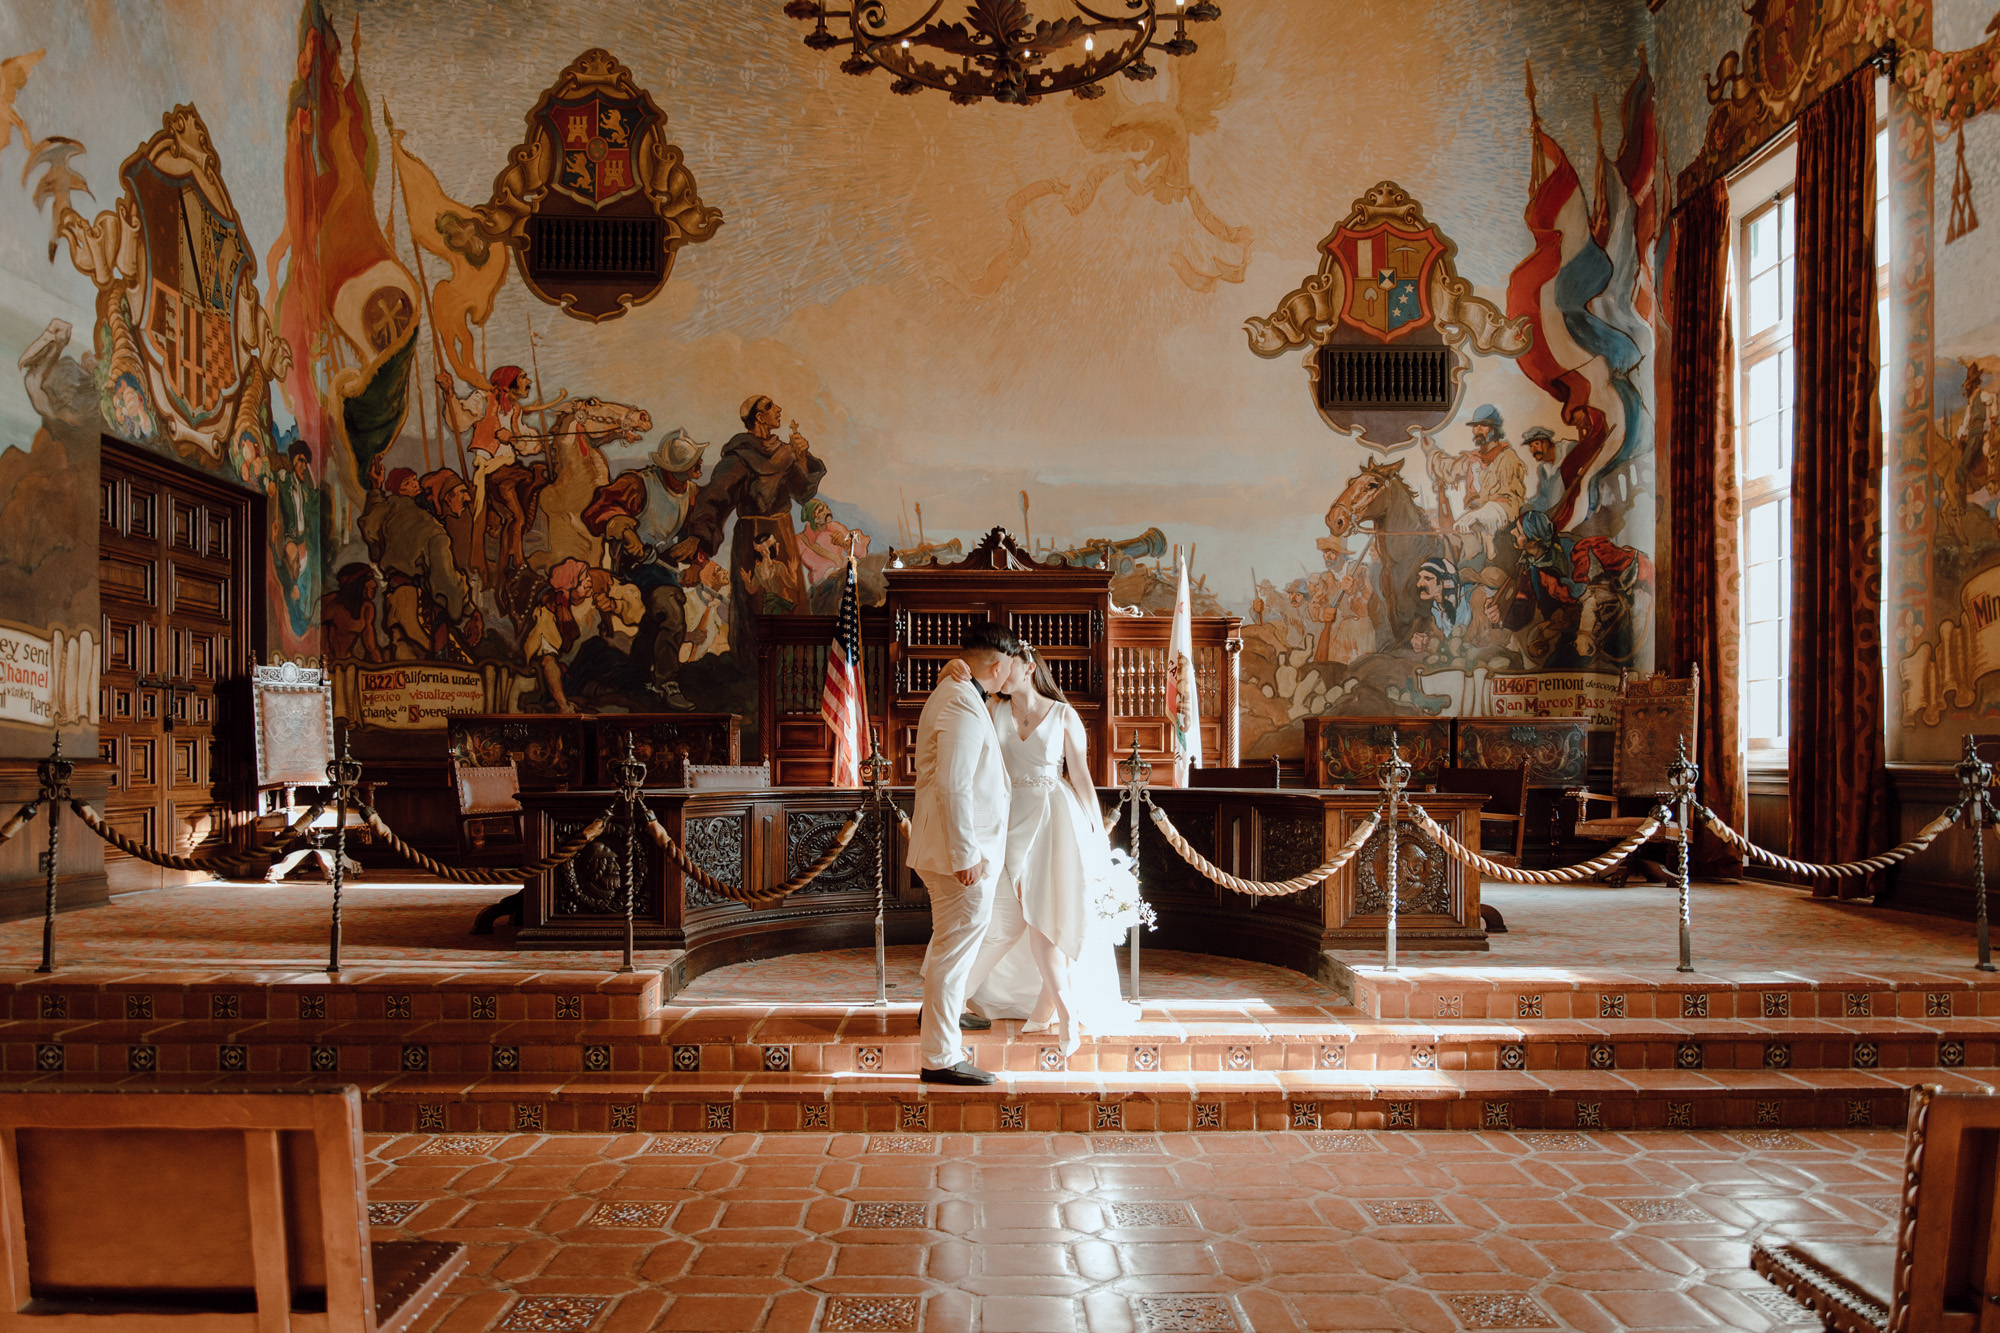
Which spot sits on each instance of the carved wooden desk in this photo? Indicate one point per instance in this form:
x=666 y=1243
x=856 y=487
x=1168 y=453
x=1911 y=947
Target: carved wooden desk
x=761 y=837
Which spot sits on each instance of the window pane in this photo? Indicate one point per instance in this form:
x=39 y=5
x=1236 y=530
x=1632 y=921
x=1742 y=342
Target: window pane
x=1763 y=241
x=1766 y=304
x=1764 y=592
x=1788 y=374
x=1764 y=650
x=1785 y=439
x=1786 y=227
x=1763 y=451
x=1766 y=536
x=1766 y=391
x=1764 y=711
x=1785 y=272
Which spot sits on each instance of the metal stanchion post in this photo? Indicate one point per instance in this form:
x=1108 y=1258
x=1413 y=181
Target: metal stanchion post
x=55 y=773
x=345 y=774
x=1395 y=772
x=877 y=767
x=1136 y=773
x=629 y=773
x=1684 y=773
x=1975 y=775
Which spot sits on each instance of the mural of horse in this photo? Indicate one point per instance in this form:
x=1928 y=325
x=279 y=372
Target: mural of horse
x=578 y=468
x=1376 y=500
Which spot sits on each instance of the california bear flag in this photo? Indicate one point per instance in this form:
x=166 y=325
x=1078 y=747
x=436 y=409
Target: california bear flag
x=1183 y=700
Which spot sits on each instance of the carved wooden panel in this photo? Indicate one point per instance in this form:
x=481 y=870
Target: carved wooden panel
x=715 y=843
x=1292 y=846
x=1349 y=751
x=665 y=743
x=808 y=835
x=1421 y=871
x=593 y=883
x=547 y=751
x=1552 y=748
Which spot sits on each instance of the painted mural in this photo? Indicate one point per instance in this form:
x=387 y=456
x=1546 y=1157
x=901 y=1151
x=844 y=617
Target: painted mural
x=540 y=512
x=148 y=325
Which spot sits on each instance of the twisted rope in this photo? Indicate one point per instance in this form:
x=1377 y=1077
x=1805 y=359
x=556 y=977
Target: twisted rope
x=1491 y=869
x=230 y=863
x=1264 y=888
x=21 y=819
x=1902 y=851
x=756 y=897
x=496 y=875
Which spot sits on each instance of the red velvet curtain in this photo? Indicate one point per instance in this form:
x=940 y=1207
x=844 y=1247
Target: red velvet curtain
x=1839 y=804
x=1705 y=573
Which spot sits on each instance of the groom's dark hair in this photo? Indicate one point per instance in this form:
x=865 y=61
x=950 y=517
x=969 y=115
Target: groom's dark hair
x=989 y=637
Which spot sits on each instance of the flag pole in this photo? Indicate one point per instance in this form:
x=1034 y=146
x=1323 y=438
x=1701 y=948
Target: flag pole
x=424 y=291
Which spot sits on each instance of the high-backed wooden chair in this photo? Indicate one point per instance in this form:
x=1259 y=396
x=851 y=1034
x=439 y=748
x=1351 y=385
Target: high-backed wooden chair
x=292 y=709
x=487 y=794
x=727 y=777
x=1941 y=1274
x=1506 y=812
x=1656 y=715
x=128 y=1211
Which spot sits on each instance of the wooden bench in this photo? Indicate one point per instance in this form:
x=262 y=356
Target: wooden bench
x=1942 y=1272
x=133 y=1211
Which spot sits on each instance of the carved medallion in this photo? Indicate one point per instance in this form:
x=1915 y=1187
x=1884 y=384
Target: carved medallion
x=592 y=883
x=808 y=835
x=595 y=201
x=1420 y=874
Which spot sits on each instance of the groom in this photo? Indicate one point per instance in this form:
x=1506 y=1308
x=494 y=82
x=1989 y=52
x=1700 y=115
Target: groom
x=958 y=837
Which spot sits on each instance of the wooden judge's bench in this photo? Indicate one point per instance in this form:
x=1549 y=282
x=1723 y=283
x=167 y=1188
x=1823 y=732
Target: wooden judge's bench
x=1113 y=667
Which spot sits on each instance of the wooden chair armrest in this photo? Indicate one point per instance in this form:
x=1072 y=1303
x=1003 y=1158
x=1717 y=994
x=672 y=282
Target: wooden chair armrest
x=1584 y=794
x=1503 y=817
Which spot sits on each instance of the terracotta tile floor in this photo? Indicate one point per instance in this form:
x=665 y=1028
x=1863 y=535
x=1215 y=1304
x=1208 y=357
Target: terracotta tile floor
x=1021 y=1233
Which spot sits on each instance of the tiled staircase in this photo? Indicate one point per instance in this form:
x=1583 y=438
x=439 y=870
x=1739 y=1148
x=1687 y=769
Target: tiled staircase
x=1450 y=1047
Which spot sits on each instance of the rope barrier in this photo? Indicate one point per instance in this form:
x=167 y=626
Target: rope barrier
x=246 y=861
x=495 y=875
x=1265 y=888
x=756 y=897
x=22 y=818
x=1901 y=852
x=1492 y=869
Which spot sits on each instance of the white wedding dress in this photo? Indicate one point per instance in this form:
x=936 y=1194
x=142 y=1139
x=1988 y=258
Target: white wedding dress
x=1071 y=890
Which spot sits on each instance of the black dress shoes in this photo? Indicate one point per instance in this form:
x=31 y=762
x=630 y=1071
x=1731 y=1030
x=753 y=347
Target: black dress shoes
x=964 y=1074
x=973 y=1023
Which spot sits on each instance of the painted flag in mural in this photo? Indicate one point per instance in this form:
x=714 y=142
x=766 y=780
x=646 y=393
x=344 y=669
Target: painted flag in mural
x=1183 y=698
x=1580 y=359
x=342 y=281
x=840 y=703
x=464 y=297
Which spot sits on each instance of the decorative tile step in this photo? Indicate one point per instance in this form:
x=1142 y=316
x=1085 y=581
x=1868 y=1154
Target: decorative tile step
x=1431 y=987
x=204 y=993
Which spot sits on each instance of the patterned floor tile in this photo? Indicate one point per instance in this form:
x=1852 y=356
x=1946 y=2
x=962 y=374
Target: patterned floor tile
x=1344 y=1143
x=553 y=1314
x=1124 y=1143
x=1561 y=1141
x=914 y=1215
x=682 y=1145
x=907 y=1144
x=1151 y=1215
x=1406 y=1212
x=460 y=1145
x=1505 y=1309
x=1781 y=1309
x=1187 y=1314
x=870 y=1314
x=1773 y=1140
x=650 y=1215
x=390 y=1214
x=1660 y=1210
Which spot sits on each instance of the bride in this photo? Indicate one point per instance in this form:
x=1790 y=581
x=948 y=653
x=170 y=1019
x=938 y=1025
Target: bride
x=1062 y=904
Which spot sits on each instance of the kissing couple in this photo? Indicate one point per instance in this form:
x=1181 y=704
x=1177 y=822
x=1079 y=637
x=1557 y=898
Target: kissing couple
x=1009 y=839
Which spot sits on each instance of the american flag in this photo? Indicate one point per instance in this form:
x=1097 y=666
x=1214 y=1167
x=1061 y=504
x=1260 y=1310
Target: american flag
x=840 y=704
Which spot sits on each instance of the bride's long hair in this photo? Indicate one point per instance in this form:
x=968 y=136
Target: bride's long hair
x=1043 y=681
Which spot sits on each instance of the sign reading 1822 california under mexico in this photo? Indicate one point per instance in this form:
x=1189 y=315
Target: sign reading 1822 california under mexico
x=419 y=696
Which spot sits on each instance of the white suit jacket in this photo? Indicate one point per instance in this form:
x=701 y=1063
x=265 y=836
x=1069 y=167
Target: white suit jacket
x=962 y=785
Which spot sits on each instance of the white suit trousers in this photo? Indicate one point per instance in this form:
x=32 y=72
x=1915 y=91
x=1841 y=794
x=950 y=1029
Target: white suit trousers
x=959 y=916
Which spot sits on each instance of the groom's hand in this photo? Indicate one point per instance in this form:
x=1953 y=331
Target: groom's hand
x=970 y=875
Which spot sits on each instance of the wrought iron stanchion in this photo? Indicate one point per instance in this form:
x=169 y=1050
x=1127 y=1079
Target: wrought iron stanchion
x=876 y=768
x=1395 y=772
x=1136 y=773
x=344 y=772
x=1975 y=776
x=1684 y=773
x=54 y=773
x=629 y=775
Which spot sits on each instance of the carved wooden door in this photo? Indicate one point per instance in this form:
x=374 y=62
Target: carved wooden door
x=174 y=584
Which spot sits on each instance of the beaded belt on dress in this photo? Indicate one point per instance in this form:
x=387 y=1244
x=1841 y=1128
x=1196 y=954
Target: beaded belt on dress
x=1038 y=782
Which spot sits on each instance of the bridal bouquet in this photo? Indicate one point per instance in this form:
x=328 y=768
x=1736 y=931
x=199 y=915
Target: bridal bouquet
x=1115 y=899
